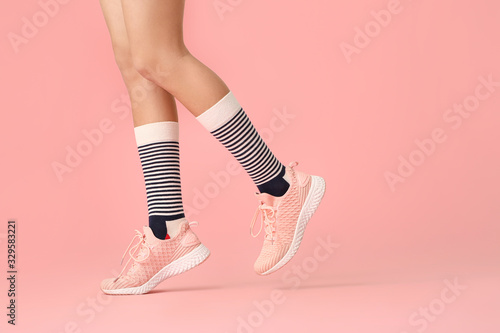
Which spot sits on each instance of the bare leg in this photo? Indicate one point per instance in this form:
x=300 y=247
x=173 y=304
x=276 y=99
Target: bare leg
x=156 y=130
x=156 y=104
x=155 y=48
x=155 y=33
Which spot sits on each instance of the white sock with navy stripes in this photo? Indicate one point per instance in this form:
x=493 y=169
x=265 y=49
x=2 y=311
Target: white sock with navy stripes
x=158 y=145
x=228 y=122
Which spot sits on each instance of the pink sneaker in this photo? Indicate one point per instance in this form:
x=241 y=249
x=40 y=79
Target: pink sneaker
x=156 y=260
x=285 y=219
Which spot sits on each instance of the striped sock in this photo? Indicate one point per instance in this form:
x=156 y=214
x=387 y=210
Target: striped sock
x=158 y=145
x=228 y=122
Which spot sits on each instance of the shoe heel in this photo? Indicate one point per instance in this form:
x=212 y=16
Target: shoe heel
x=318 y=188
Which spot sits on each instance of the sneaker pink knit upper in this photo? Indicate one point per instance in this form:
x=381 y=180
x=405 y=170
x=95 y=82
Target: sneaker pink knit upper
x=280 y=216
x=152 y=255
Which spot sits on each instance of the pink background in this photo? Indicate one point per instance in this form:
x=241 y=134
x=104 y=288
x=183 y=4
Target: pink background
x=352 y=122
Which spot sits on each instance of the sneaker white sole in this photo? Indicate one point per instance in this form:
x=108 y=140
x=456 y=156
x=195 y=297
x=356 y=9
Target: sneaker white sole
x=313 y=199
x=180 y=265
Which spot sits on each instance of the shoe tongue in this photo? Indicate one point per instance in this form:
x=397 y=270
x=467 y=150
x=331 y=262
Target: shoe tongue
x=150 y=237
x=267 y=199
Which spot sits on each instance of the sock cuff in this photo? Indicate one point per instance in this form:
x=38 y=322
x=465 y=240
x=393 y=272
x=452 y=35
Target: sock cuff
x=220 y=113
x=157 y=132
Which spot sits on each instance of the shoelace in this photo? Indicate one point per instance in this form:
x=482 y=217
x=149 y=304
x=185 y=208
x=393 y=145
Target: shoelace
x=268 y=214
x=268 y=219
x=132 y=250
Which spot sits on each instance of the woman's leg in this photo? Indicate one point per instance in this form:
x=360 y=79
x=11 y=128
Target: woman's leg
x=156 y=130
x=157 y=255
x=288 y=197
x=150 y=103
x=156 y=39
x=155 y=30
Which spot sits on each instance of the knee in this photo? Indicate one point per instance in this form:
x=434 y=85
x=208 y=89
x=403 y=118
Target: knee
x=123 y=59
x=157 y=64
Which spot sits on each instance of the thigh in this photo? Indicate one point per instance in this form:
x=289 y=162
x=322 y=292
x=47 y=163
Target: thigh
x=154 y=26
x=150 y=102
x=113 y=15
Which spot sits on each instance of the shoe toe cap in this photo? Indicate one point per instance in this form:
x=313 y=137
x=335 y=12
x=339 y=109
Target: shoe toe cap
x=269 y=258
x=108 y=284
